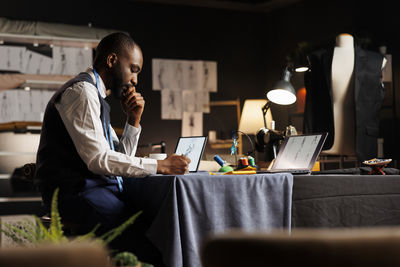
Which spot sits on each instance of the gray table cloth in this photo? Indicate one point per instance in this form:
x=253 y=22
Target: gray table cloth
x=183 y=209
x=346 y=200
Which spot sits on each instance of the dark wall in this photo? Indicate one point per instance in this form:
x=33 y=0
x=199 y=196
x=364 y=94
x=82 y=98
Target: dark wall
x=237 y=41
x=250 y=48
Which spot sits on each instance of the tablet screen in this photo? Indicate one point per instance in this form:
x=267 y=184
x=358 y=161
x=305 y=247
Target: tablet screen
x=191 y=147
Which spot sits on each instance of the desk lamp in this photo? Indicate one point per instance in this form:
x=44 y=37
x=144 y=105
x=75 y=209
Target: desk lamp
x=251 y=120
x=282 y=93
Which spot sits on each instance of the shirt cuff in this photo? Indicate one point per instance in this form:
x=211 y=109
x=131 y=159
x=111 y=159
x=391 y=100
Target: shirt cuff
x=150 y=165
x=130 y=130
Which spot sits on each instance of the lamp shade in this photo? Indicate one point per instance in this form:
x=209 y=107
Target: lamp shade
x=283 y=92
x=252 y=118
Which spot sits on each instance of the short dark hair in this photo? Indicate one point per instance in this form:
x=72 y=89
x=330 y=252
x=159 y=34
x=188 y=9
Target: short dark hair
x=116 y=42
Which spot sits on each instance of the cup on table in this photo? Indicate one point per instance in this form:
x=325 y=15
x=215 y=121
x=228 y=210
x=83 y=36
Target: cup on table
x=158 y=156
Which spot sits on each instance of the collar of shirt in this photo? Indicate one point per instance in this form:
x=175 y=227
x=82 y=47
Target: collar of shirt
x=102 y=85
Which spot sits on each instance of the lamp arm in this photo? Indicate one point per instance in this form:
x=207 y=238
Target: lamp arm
x=264 y=111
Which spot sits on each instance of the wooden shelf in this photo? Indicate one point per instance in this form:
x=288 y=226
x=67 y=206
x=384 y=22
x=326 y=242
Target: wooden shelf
x=20 y=126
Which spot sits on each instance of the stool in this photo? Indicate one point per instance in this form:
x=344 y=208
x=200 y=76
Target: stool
x=69 y=228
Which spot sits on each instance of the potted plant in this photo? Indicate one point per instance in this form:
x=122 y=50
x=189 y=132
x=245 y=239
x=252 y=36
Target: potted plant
x=35 y=233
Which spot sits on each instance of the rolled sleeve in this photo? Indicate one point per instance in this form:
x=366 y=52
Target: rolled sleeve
x=79 y=109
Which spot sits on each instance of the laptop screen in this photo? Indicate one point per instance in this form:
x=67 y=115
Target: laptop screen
x=191 y=147
x=299 y=151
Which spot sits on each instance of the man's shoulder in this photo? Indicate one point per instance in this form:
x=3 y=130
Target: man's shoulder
x=81 y=89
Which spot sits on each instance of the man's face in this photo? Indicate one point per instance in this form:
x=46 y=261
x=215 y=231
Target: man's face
x=125 y=72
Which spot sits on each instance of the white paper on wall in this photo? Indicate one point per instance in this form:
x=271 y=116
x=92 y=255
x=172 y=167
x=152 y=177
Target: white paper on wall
x=205 y=101
x=9 y=108
x=192 y=124
x=21 y=105
x=46 y=96
x=35 y=63
x=195 y=78
x=192 y=72
x=171 y=104
x=11 y=58
x=38 y=102
x=167 y=74
x=209 y=76
x=196 y=101
x=70 y=60
x=24 y=104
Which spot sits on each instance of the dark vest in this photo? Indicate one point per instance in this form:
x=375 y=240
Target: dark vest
x=369 y=93
x=58 y=164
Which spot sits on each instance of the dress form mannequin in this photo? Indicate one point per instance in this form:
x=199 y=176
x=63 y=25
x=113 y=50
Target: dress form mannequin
x=343 y=96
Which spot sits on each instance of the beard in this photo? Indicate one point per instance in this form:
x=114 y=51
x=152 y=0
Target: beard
x=117 y=83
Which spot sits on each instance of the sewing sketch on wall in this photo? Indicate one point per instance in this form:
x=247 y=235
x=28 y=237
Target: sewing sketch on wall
x=167 y=74
x=185 y=86
x=158 y=74
x=11 y=58
x=171 y=104
x=209 y=76
x=35 y=63
x=21 y=105
x=196 y=101
x=70 y=60
x=205 y=101
x=8 y=109
x=192 y=71
x=192 y=124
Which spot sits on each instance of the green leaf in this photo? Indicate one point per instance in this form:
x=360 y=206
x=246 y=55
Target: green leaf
x=41 y=231
x=87 y=236
x=56 y=226
x=113 y=233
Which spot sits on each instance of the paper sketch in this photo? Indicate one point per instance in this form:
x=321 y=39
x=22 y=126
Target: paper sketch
x=205 y=101
x=21 y=105
x=35 y=63
x=192 y=101
x=192 y=71
x=9 y=109
x=70 y=60
x=11 y=58
x=209 y=76
x=167 y=74
x=171 y=105
x=195 y=78
x=192 y=124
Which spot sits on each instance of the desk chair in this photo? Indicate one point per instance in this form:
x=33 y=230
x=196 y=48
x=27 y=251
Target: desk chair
x=70 y=229
x=367 y=247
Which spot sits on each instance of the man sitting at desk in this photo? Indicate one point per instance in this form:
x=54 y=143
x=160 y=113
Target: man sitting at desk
x=80 y=153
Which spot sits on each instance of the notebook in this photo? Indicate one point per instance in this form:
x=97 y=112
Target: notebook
x=193 y=148
x=298 y=153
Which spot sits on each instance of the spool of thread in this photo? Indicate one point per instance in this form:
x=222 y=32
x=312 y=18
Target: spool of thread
x=222 y=163
x=219 y=160
x=243 y=163
x=252 y=161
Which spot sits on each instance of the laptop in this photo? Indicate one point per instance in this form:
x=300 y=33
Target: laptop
x=193 y=148
x=298 y=153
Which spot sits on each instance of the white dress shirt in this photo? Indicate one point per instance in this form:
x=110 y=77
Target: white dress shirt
x=80 y=109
